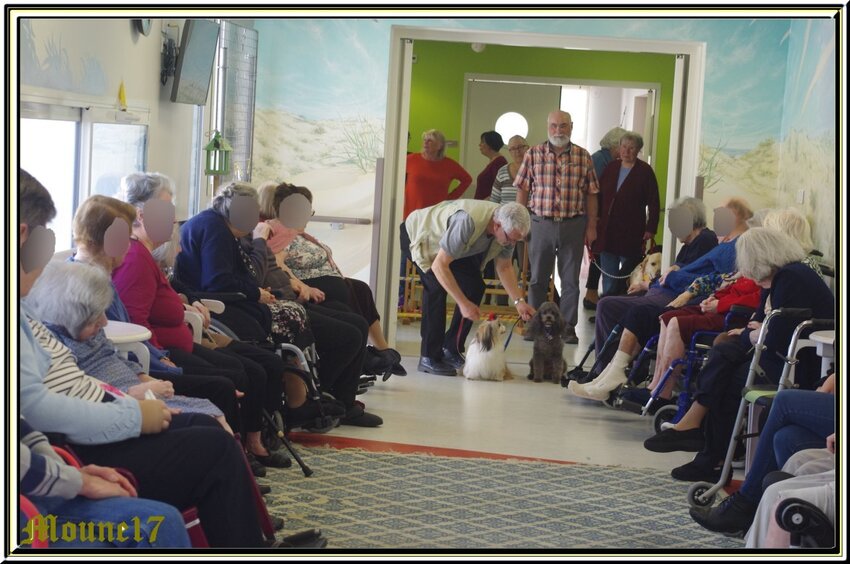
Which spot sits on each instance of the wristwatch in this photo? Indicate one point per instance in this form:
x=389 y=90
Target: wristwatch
x=516 y=301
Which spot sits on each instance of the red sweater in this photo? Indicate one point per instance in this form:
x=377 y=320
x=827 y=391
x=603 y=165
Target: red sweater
x=742 y=292
x=484 y=182
x=628 y=213
x=428 y=182
x=150 y=300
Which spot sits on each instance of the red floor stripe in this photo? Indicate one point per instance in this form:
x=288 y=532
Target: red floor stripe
x=318 y=440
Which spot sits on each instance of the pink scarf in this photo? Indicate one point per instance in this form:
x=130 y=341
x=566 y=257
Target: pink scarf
x=279 y=238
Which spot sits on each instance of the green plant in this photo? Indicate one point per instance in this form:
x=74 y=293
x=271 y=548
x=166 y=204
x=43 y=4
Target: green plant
x=363 y=143
x=708 y=165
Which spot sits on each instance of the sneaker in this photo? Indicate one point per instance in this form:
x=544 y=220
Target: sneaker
x=570 y=337
x=357 y=417
x=671 y=440
x=732 y=517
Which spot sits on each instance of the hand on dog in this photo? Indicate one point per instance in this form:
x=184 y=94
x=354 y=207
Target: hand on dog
x=639 y=287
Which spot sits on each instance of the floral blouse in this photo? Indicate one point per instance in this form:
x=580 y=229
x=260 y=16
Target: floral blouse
x=308 y=258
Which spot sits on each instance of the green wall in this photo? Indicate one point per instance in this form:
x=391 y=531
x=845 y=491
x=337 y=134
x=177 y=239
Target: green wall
x=437 y=82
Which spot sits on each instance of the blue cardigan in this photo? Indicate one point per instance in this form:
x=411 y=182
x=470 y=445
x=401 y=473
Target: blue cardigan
x=210 y=260
x=719 y=259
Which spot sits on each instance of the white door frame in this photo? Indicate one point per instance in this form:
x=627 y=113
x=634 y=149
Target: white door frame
x=684 y=139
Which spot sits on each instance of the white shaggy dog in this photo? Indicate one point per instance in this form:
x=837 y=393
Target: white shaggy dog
x=485 y=358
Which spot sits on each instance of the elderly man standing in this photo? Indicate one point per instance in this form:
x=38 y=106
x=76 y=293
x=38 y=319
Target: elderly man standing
x=558 y=176
x=451 y=243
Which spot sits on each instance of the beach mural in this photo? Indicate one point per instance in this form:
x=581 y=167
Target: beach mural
x=321 y=101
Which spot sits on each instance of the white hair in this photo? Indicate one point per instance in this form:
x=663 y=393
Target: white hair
x=221 y=203
x=139 y=187
x=70 y=295
x=761 y=251
x=695 y=206
x=612 y=138
x=513 y=217
x=792 y=222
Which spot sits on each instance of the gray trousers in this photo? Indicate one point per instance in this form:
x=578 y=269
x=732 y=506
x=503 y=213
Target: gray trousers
x=564 y=239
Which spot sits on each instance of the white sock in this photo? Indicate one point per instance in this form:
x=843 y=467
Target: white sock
x=621 y=359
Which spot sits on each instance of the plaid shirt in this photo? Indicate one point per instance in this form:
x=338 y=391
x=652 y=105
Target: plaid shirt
x=558 y=183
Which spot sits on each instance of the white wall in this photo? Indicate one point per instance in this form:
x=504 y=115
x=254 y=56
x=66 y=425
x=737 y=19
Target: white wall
x=98 y=55
x=605 y=111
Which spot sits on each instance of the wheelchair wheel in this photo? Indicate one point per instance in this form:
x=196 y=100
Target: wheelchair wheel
x=696 y=490
x=664 y=415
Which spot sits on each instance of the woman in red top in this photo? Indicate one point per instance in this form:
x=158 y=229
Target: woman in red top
x=153 y=303
x=430 y=175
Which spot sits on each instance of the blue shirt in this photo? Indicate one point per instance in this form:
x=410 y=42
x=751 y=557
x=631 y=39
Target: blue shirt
x=719 y=259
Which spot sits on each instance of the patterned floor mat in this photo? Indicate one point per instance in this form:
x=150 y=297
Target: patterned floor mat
x=379 y=500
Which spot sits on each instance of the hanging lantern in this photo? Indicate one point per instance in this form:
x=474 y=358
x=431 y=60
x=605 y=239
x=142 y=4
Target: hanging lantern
x=218 y=155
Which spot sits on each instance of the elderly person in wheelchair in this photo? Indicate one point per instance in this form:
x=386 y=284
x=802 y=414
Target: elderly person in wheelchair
x=773 y=259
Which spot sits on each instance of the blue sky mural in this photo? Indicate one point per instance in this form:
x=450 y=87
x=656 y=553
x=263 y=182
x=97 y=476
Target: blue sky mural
x=326 y=68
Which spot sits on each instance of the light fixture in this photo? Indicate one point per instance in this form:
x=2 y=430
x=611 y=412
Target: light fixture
x=218 y=155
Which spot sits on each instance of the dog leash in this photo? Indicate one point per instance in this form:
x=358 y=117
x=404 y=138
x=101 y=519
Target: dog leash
x=616 y=276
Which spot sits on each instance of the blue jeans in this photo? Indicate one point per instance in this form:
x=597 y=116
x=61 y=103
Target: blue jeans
x=145 y=528
x=798 y=420
x=616 y=265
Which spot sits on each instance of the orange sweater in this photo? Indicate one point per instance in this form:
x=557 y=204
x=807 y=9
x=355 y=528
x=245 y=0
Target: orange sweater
x=428 y=182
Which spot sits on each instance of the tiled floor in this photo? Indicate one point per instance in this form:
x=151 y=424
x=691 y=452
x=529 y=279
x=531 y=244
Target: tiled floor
x=516 y=417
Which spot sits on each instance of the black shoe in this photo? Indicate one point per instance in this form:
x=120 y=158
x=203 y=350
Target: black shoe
x=277 y=522
x=264 y=490
x=257 y=469
x=588 y=304
x=379 y=363
x=671 y=440
x=453 y=358
x=399 y=370
x=432 y=366
x=358 y=417
x=275 y=459
x=311 y=538
x=570 y=337
x=527 y=337
x=732 y=517
x=694 y=472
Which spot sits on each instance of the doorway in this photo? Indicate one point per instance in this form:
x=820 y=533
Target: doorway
x=684 y=128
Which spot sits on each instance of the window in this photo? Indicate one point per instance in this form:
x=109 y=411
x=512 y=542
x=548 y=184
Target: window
x=574 y=101
x=78 y=152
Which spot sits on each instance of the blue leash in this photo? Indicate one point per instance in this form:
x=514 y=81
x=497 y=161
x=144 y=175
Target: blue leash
x=511 y=334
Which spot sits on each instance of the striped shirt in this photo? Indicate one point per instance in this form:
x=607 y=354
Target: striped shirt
x=558 y=183
x=64 y=376
x=503 y=187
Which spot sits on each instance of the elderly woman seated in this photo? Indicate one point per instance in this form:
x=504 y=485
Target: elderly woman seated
x=70 y=299
x=315 y=276
x=212 y=259
x=183 y=460
x=152 y=302
x=679 y=325
x=639 y=314
x=773 y=259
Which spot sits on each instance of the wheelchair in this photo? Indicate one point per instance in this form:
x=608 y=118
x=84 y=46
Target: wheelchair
x=692 y=363
x=703 y=494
